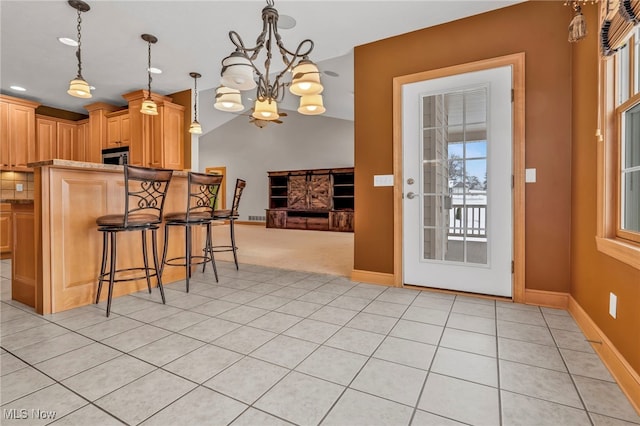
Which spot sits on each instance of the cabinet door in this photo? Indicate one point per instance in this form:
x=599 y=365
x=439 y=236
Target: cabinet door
x=82 y=139
x=113 y=132
x=66 y=140
x=46 y=135
x=5 y=229
x=173 y=138
x=21 y=135
x=125 y=130
x=4 y=135
x=297 y=192
x=320 y=192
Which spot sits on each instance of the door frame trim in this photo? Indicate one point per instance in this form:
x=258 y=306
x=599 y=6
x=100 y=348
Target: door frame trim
x=517 y=62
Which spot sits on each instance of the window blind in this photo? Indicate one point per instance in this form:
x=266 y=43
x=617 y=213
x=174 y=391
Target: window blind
x=618 y=17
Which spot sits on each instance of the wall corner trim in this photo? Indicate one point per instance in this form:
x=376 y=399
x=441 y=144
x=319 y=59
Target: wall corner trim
x=371 y=277
x=550 y=299
x=622 y=372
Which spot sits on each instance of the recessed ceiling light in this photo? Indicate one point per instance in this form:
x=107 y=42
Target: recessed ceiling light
x=92 y=87
x=154 y=70
x=68 y=41
x=286 y=22
x=331 y=73
x=18 y=88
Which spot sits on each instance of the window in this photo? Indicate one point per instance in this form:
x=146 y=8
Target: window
x=619 y=154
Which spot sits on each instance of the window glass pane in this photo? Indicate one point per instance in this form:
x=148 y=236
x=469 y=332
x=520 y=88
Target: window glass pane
x=631 y=203
x=475 y=105
x=623 y=74
x=454 y=106
x=631 y=139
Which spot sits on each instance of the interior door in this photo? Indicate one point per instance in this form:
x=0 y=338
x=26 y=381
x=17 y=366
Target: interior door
x=457 y=182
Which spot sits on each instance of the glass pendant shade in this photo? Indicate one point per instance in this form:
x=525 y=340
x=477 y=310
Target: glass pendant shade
x=238 y=72
x=265 y=110
x=79 y=88
x=306 y=79
x=228 y=99
x=149 y=107
x=311 y=105
x=195 y=128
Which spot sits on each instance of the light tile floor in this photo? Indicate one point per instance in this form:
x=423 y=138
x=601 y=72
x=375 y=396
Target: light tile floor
x=266 y=346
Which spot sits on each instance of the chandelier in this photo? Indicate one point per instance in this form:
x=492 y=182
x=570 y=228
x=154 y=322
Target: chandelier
x=240 y=73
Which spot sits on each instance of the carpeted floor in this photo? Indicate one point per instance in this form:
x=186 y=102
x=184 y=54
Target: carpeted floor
x=311 y=251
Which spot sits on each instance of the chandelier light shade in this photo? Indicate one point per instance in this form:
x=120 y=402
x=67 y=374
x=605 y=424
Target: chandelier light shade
x=149 y=107
x=228 y=99
x=240 y=72
x=237 y=72
x=195 y=127
x=306 y=79
x=265 y=110
x=78 y=87
x=311 y=105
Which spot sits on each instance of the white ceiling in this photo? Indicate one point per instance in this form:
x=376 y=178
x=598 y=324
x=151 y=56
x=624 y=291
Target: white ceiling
x=193 y=36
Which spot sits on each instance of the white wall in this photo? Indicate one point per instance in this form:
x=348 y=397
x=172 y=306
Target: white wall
x=249 y=152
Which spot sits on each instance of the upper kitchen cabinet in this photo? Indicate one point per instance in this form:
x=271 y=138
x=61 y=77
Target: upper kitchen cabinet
x=156 y=140
x=81 y=148
x=118 y=133
x=56 y=138
x=17 y=133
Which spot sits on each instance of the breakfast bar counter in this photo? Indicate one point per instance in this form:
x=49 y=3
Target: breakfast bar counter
x=64 y=245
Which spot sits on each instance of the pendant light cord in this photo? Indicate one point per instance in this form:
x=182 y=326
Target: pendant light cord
x=195 y=98
x=149 y=68
x=78 y=52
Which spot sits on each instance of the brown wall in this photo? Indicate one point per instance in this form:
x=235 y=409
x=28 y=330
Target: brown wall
x=540 y=30
x=593 y=274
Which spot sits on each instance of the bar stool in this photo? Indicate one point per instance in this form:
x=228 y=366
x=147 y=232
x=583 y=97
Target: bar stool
x=203 y=193
x=231 y=216
x=145 y=193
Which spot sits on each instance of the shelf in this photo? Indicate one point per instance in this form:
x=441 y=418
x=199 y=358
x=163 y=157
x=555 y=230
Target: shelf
x=343 y=196
x=278 y=196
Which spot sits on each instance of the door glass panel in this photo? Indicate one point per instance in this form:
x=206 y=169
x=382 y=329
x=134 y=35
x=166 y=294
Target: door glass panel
x=454 y=176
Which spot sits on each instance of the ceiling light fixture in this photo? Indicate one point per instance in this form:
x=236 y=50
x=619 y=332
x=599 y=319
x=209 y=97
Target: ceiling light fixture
x=68 y=41
x=577 y=26
x=238 y=70
x=154 y=70
x=148 y=106
x=18 y=88
x=195 y=127
x=78 y=87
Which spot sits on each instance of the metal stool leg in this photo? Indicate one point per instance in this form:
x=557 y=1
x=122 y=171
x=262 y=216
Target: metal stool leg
x=146 y=259
x=154 y=244
x=209 y=243
x=112 y=271
x=187 y=260
x=233 y=242
x=104 y=265
x=165 y=246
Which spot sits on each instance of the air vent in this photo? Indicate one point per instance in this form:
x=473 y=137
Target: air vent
x=258 y=218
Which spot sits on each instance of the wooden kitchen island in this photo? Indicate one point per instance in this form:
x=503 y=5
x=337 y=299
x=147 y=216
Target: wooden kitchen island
x=67 y=245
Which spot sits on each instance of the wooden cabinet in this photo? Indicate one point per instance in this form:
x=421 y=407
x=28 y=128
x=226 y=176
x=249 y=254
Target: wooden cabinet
x=6 y=242
x=118 y=129
x=56 y=138
x=82 y=140
x=156 y=140
x=17 y=133
x=320 y=199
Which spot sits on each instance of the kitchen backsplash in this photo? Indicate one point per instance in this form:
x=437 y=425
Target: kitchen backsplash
x=11 y=182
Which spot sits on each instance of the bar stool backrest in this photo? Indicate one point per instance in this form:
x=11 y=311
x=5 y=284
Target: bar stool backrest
x=240 y=184
x=203 y=194
x=146 y=190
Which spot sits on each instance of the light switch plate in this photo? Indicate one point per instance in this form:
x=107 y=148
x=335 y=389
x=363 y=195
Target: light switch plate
x=613 y=305
x=19 y=187
x=530 y=175
x=383 y=180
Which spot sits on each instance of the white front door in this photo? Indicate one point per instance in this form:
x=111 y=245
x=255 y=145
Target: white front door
x=457 y=182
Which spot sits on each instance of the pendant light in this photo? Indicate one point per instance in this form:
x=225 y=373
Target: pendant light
x=78 y=87
x=148 y=106
x=195 y=127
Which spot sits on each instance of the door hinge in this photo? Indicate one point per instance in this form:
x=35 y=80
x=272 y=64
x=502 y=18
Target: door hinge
x=513 y=267
x=513 y=181
x=513 y=95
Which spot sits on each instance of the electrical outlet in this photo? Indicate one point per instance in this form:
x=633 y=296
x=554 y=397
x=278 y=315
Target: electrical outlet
x=613 y=305
x=19 y=187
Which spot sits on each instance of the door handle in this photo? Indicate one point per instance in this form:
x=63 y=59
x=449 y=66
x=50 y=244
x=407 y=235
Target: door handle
x=411 y=195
